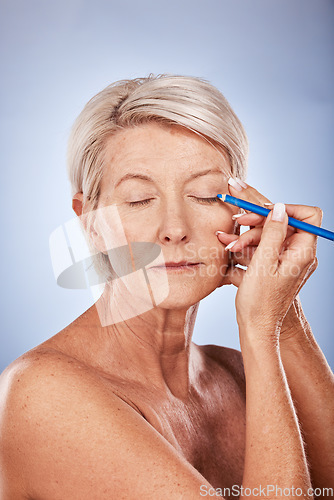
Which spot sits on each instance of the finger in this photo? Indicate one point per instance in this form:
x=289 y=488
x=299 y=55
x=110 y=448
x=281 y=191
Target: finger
x=249 y=219
x=226 y=238
x=253 y=220
x=251 y=237
x=272 y=239
x=245 y=240
x=237 y=243
x=296 y=239
x=303 y=239
x=306 y=213
x=312 y=215
x=247 y=193
x=245 y=244
x=243 y=257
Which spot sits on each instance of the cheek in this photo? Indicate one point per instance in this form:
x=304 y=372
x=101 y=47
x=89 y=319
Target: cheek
x=137 y=228
x=208 y=245
x=219 y=222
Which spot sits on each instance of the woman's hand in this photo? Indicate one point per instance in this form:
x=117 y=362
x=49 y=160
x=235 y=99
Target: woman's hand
x=279 y=258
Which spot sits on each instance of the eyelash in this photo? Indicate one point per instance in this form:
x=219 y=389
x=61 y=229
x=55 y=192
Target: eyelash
x=146 y=202
x=209 y=200
x=141 y=202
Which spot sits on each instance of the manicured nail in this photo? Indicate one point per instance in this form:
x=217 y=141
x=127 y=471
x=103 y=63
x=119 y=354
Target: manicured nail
x=219 y=232
x=268 y=203
x=234 y=184
x=242 y=183
x=230 y=245
x=278 y=212
x=236 y=216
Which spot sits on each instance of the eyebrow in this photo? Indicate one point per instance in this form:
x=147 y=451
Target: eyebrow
x=149 y=179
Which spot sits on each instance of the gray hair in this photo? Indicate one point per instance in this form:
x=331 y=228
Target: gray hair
x=167 y=99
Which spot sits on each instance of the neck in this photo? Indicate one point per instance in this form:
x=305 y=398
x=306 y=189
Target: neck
x=154 y=346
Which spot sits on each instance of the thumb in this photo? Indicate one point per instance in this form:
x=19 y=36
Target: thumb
x=273 y=236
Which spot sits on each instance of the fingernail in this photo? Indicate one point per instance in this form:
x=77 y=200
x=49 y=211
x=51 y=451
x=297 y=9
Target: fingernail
x=268 y=203
x=232 y=182
x=230 y=245
x=236 y=216
x=278 y=212
x=219 y=232
x=242 y=183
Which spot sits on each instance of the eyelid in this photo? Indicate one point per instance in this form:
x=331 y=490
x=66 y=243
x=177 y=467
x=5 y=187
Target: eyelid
x=146 y=201
x=209 y=199
x=142 y=202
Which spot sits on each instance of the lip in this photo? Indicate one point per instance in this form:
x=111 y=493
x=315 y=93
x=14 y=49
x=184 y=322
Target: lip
x=177 y=266
x=181 y=263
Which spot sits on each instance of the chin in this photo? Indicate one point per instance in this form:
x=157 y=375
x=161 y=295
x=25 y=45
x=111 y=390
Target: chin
x=184 y=292
x=178 y=303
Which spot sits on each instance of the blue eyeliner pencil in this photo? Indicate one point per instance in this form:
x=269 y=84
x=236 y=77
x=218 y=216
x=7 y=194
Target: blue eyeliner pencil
x=257 y=209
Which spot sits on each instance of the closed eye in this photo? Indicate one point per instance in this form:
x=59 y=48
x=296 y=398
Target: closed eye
x=146 y=202
x=139 y=202
x=207 y=200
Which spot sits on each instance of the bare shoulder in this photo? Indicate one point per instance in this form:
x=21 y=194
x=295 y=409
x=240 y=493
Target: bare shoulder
x=34 y=389
x=87 y=443
x=229 y=359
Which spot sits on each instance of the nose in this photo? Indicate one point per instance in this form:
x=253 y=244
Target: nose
x=174 y=226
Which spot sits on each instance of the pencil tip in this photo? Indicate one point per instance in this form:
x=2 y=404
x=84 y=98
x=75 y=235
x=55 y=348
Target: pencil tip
x=221 y=196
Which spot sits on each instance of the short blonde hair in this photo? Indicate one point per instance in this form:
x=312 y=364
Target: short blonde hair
x=168 y=99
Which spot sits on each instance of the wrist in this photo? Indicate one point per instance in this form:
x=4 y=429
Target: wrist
x=259 y=340
x=295 y=327
x=261 y=331
x=261 y=360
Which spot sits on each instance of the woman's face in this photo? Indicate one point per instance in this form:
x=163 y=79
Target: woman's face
x=164 y=182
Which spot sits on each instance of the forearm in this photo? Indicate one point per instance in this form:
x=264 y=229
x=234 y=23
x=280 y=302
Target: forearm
x=311 y=383
x=274 y=448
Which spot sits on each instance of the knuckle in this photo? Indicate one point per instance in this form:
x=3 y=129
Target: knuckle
x=319 y=212
x=309 y=255
x=311 y=268
x=311 y=264
x=274 y=230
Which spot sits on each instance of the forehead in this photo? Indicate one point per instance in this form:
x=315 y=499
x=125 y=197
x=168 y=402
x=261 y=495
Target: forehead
x=152 y=148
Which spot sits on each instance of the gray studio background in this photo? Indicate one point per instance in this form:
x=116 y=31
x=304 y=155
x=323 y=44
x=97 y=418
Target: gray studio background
x=272 y=59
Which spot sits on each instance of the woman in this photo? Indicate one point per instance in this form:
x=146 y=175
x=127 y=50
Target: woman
x=121 y=403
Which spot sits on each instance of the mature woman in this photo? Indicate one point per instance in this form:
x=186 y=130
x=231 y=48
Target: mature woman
x=122 y=403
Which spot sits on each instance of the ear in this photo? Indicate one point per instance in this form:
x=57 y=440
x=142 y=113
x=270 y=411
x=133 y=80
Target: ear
x=77 y=203
x=96 y=239
x=78 y=207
